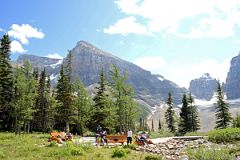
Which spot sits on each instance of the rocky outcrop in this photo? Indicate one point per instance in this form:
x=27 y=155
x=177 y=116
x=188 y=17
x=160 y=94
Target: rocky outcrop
x=203 y=87
x=176 y=149
x=232 y=86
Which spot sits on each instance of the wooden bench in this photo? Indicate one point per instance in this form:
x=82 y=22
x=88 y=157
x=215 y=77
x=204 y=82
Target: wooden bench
x=59 y=137
x=116 y=138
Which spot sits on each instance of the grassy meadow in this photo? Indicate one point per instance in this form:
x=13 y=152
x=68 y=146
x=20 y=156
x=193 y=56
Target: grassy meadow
x=36 y=146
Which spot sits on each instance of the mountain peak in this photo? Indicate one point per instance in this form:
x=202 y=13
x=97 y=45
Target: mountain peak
x=206 y=76
x=84 y=44
x=86 y=47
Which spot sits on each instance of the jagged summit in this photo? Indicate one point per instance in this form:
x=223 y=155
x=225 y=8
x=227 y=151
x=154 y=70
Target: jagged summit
x=85 y=44
x=206 y=76
x=86 y=47
x=203 y=87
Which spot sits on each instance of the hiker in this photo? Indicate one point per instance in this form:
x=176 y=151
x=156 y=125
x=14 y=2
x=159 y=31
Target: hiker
x=104 y=137
x=129 y=136
x=99 y=129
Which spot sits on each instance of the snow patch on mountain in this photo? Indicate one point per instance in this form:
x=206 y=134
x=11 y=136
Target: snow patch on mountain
x=53 y=77
x=56 y=64
x=160 y=78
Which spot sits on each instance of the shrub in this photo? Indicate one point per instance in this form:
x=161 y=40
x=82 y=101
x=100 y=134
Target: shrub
x=153 y=157
x=131 y=146
x=224 y=135
x=206 y=154
x=76 y=151
x=52 y=144
x=86 y=146
x=119 y=152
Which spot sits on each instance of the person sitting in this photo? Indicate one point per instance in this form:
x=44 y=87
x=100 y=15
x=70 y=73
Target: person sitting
x=104 y=137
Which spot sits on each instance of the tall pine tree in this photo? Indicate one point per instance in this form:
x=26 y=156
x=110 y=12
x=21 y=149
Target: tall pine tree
x=6 y=85
x=223 y=117
x=194 y=120
x=25 y=98
x=123 y=95
x=65 y=110
x=102 y=104
x=184 y=124
x=82 y=104
x=170 y=114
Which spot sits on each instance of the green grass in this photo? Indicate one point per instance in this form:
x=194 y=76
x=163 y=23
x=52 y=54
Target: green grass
x=224 y=135
x=210 y=154
x=36 y=146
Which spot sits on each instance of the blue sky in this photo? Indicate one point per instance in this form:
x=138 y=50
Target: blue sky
x=180 y=40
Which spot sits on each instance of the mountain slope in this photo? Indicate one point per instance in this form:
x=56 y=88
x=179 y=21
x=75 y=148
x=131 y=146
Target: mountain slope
x=88 y=61
x=233 y=79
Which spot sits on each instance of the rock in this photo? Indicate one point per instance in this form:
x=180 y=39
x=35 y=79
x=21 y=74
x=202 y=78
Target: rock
x=203 y=87
x=170 y=146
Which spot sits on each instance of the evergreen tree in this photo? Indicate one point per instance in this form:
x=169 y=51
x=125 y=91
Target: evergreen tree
x=6 y=85
x=169 y=114
x=45 y=104
x=159 y=125
x=184 y=124
x=25 y=97
x=141 y=123
x=194 y=121
x=236 y=121
x=223 y=117
x=102 y=104
x=82 y=104
x=152 y=126
x=123 y=95
x=65 y=110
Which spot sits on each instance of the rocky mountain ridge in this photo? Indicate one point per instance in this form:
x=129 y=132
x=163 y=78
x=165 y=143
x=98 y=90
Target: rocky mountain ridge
x=88 y=61
x=203 y=87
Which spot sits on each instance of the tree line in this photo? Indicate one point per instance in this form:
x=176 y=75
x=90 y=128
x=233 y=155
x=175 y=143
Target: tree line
x=28 y=102
x=188 y=120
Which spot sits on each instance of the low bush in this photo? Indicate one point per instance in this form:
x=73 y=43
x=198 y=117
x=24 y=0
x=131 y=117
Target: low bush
x=224 y=135
x=76 y=151
x=153 y=157
x=119 y=152
x=52 y=144
x=131 y=146
x=207 y=154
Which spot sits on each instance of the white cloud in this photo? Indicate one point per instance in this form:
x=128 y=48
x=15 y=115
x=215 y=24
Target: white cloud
x=24 y=32
x=183 y=73
x=16 y=47
x=126 y=26
x=54 y=56
x=214 y=18
x=2 y=30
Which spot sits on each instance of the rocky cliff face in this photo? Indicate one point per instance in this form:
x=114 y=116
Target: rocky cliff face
x=232 y=86
x=203 y=87
x=88 y=61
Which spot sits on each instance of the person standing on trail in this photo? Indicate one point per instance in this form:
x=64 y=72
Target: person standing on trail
x=129 y=137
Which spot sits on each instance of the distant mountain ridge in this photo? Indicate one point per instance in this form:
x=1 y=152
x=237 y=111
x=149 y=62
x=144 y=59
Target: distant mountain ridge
x=88 y=61
x=232 y=85
x=203 y=87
